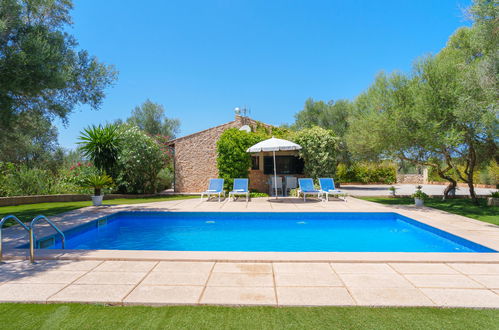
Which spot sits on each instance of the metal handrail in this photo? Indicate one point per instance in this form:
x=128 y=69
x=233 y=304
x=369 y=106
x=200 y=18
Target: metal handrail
x=32 y=239
x=4 y=219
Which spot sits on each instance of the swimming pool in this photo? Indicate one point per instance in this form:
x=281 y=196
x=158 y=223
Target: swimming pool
x=273 y=232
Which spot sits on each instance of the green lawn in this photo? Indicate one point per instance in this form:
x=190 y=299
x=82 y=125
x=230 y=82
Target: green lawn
x=75 y=316
x=29 y=211
x=458 y=206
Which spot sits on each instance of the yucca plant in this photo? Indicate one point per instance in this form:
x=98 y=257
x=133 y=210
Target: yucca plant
x=97 y=182
x=101 y=145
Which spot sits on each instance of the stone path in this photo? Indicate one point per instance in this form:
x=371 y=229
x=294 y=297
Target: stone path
x=276 y=284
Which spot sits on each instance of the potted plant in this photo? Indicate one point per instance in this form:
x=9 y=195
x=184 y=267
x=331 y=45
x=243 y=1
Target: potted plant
x=97 y=182
x=392 y=190
x=493 y=200
x=419 y=196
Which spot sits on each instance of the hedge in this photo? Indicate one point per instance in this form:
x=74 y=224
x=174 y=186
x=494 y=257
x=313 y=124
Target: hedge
x=367 y=173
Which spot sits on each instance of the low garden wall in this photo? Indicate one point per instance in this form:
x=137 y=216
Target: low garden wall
x=410 y=178
x=20 y=200
x=465 y=185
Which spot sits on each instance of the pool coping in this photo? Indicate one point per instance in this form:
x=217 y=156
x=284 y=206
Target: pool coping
x=473 y=230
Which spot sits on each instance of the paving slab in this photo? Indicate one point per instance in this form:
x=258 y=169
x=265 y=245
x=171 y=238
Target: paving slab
x=64 y=265
x=28 y=292
x=231 y=267
x=241 y=279
x=171 y=278
x=163 y=295
x=313 y=296
x=361 y=268
x=92 y=293
x=423 y=268
x=302 y=267
x=372 y=296
x=442 y=281
x=375 y=281
x=184 y=267
x=489 y=281
x=307 y=279
x=97 y=277
x=126 y=266
x=50 y=277
x=463 y=297
x=239 y=296
x=477 y=269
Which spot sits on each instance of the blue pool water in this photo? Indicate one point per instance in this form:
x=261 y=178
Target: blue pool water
x=287 y=232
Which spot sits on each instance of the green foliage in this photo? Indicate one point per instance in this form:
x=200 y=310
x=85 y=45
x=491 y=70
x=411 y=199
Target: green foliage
x=319 y=151
x=97 y=182
x=165 y=178
x=91 y=316
x=461 y=206
x=266 y=131
x=101 y=144
x=256 y=194
x=419 y=194
x=331 y=115
x=487 y=174
x=367 y=173
x=150 y=117
x=22 y=180
x=30 y=139
x=232 y=159
x=26 y=212
x=139 y=162
x=444 y=114
x=41 y=71
x=494 y=194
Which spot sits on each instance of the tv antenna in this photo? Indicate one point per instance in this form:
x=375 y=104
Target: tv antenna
x=243 y=112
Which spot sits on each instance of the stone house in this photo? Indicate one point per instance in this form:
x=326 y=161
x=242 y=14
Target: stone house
x=195 y=159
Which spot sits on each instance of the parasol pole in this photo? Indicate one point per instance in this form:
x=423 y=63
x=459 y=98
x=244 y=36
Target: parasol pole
x=275 y=176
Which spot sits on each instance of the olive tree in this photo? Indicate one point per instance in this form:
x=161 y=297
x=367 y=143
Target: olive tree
x=320 y=149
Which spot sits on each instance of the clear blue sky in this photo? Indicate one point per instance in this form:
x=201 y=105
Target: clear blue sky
x=200 y=59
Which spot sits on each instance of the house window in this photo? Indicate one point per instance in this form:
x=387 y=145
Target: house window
x=255 y=163
x=284 y=165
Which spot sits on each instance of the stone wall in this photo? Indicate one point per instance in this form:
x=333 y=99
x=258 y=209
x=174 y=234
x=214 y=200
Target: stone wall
x=196 y=156
x=258 y=181
x=20 y=200
x=410 y=178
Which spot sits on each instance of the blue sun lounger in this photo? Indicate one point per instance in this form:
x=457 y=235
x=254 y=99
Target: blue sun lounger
x=328 y=188
x=307 y=188
x=240 y=187
x=215 y=187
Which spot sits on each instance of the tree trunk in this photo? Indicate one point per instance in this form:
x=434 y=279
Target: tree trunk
x=469 y=175
x=452 y=182
x=450 y=188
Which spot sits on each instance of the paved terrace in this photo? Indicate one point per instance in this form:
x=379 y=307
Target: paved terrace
x=257 y=278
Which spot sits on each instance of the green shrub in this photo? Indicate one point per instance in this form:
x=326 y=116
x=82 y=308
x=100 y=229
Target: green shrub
x=97 y=182
x=320 y=151
x=367 y=173
x=165 y=178
x=139 y=161
x=22 y=181
x=101 y=144
x=258 y=194
x=487 y=174
x=75 y=175
x=232 y=159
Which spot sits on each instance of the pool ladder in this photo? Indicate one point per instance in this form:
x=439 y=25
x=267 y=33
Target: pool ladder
x=31 y=230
